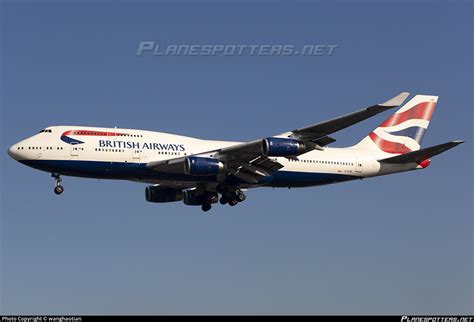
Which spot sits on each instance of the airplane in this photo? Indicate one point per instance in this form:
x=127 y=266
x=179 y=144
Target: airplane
x=197 y=172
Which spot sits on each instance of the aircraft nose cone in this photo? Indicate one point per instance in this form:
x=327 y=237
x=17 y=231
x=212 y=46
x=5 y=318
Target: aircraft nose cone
x=12 y=152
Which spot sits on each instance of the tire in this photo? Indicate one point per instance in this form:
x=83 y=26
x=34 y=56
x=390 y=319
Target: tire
x=58 y=189
x=206 y=207
x=233 y=202
x=223 y=201
x=241 y=196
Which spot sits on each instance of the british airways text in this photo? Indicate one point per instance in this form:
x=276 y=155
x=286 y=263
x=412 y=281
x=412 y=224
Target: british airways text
x=143 y=146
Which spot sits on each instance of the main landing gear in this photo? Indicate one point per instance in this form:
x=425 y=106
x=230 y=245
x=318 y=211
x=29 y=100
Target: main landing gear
x=206 y=207
x=229 y=195
x=58 y=189
x=232 y=197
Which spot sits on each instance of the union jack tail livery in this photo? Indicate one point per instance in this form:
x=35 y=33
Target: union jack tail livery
x=403 y=131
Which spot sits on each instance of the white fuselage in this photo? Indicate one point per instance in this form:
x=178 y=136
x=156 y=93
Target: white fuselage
x=113 y=153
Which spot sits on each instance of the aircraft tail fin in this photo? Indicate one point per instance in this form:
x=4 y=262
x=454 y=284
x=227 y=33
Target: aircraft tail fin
x=403 y=131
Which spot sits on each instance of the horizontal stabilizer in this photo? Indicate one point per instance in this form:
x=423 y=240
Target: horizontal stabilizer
x=423 y=154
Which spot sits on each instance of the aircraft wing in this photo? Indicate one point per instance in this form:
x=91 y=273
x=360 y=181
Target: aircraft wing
x=248 y=161
x=321 y=130
x=244 y=161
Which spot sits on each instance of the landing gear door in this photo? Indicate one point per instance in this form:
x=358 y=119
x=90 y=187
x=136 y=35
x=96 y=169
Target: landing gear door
x=74 y=150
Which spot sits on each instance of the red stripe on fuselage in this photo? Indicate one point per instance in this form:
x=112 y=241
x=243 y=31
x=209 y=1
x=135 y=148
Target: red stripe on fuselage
x=389 y=146
x=421 y=111
x=92 y=133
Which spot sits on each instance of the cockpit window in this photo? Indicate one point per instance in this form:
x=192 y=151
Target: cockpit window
x=45 y=131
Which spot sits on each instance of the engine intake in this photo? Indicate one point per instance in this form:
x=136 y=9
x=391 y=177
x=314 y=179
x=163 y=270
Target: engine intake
x=162 y=194
x=198 y=166
x=281 y=147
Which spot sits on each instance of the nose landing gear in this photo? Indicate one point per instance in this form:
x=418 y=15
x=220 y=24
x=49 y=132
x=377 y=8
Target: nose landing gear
x=58 y=188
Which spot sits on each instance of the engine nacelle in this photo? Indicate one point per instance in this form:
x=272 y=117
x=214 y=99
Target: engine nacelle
x=194 y=197
x=162 y=194
x=281 y=147
x=198 y=166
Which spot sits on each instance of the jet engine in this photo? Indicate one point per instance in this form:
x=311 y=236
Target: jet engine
x=281 y=147
x=198 y=166
x=162 y=194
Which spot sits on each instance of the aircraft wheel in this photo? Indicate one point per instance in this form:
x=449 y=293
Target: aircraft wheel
x=223 y=201
x=206 y=207
x=233 y=202
x=58 y=189
x=241 y=196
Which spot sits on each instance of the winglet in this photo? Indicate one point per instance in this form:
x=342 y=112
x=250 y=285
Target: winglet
x=397 y=100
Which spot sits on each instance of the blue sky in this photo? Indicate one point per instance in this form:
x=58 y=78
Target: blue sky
x=392 y=245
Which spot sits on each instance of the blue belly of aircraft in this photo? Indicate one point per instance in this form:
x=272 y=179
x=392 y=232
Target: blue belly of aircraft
x=139 y=171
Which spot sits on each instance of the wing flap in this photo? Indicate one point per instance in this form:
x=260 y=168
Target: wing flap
x=267 y=163
x=325 y=140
